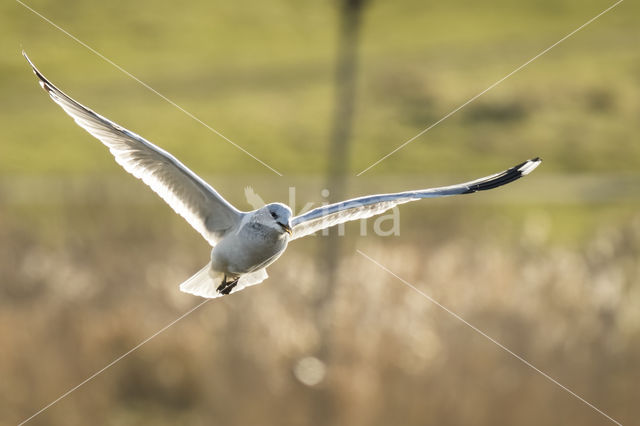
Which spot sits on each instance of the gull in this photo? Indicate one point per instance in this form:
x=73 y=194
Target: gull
x=243 y=243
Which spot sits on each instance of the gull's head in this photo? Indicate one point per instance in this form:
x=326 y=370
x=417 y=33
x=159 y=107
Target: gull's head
x=281 y=216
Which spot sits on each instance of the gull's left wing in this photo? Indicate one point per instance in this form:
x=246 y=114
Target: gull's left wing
x=364 y=207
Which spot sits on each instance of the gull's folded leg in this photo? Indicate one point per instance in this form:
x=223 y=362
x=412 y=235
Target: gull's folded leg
x=226 y=286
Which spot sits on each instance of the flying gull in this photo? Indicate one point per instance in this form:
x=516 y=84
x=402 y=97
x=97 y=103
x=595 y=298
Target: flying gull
x=244 y=243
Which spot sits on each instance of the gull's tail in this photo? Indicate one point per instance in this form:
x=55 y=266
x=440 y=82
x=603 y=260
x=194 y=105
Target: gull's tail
x=205 y=282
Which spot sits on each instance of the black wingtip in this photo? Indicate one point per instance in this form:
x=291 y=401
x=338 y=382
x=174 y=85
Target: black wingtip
x=44 y=83
x=508 y=176
x=28 y=60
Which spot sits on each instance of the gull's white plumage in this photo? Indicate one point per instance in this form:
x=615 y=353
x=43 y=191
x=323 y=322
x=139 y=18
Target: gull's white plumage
x=244 y=243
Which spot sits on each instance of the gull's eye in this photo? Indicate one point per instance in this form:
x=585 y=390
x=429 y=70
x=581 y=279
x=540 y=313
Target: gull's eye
x=273 y=215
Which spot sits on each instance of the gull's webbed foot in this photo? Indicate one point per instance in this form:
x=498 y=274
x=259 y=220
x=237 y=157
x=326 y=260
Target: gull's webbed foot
x=227 y=286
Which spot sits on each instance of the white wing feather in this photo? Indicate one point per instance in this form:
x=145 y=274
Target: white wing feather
x=364 y=207
x=190 y=196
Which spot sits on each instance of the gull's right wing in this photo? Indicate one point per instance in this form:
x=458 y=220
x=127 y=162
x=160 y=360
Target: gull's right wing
x=189 y=195
x=364 y=207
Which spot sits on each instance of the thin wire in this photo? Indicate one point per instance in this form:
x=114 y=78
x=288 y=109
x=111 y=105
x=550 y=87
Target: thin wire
x=88 y=379
x=491 y=87
x=491 y=339
x=151 y=88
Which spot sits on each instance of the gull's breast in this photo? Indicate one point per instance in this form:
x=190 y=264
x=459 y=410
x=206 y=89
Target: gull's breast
x=254 y=247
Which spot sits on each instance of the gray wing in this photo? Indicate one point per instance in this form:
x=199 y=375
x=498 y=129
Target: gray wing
x=186 y=193
x=364 y=207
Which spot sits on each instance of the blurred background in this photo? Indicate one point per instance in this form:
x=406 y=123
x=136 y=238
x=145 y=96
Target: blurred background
x=91 y=260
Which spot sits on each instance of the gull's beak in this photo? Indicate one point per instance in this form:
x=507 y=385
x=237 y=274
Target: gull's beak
x=286 y=228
